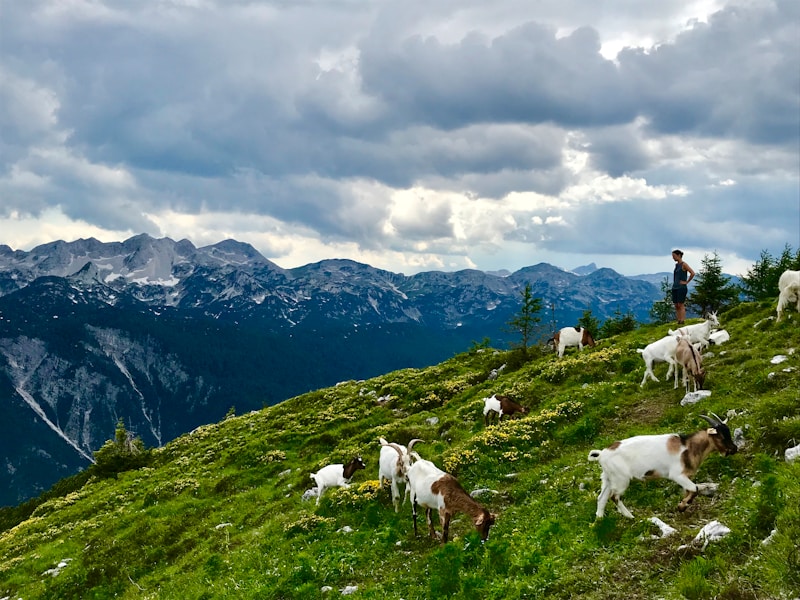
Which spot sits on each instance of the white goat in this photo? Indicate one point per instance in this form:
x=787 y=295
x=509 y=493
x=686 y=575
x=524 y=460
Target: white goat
x=432 y=488
x=789 y=291
x=393 y=465
x=659 y=351
x=572 y=336
x=699 y=332
x=670 y=456
x=336 y=475
x=688 y=358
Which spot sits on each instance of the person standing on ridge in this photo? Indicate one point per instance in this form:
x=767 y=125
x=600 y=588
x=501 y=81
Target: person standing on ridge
x=681 y=277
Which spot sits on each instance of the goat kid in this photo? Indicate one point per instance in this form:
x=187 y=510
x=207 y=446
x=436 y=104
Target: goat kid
x=433 y=489
x=336 y=475
x=500 y=405
x=393 y=465
x=699 y=332
x=571 y=336
x=670 y=456
x=662 y=350
x=789 y=291
x=688 y=358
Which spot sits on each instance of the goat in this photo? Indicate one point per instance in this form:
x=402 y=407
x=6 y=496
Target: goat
x=336 y=475
x=432 y=488
x=699 y=332
x=394 y=463
x=500 y=405
x=789 y=291
x=689 y=359
x=671 y=456
x=571 y=336
x=662 y=350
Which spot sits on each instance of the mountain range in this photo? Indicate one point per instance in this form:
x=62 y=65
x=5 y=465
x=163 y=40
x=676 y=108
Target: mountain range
x=167 y=336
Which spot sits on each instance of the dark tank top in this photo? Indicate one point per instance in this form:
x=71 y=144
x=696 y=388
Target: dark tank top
x=679 y=275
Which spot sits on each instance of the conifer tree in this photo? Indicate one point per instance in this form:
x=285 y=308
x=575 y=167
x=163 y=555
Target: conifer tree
x=589 y=322
x=712 y=291
x=526 y=320
x=663 y=310
x=761 y=281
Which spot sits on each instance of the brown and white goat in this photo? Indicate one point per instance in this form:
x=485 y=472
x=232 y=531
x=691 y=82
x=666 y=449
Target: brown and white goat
x=571 y=336
x=336 y=475
x=393 y=465
x=670 y=456
x=500 y=405
x=688 y=358
x=433 y=489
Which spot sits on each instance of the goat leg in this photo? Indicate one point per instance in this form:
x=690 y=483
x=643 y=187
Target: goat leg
x=444 y=517
x=684 y=504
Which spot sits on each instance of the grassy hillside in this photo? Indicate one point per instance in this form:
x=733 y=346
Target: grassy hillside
x=218 y=513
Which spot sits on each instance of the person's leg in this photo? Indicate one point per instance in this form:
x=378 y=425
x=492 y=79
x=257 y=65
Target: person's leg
x=680 y=312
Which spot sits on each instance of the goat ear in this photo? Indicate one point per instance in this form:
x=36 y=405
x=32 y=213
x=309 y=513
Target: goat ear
x=711 y=431
x=479 y=521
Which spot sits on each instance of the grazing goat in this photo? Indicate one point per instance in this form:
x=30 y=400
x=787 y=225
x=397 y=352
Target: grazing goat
x=337 y=475
x=571 y=336
x=500 y=405
x=699 y=332
x=671 y=456
x=432 y=488
x=689 y=359
x=662 y=350
x=789 y=291
x=393 y=465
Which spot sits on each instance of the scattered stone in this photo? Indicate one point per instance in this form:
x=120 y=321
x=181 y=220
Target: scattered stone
x=792 y=453
x=738 y=438
x=349 y=589
x=768 y=540
x=710 y=532
x=57 y=569
x=432 y=421
x=345 y=529
x=482 y=491
x=695 y=397
x=666 y=530
x=707 y=489
x=325 y=589
x=778 y=359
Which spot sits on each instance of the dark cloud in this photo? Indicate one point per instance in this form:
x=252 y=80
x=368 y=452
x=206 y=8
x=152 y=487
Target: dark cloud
x=314 y=113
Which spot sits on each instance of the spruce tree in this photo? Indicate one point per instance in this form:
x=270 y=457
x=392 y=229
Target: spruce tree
x=663 y=310
x=526 y=320
x=713 y=290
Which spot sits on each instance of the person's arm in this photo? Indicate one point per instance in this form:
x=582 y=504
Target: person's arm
x=689 y=270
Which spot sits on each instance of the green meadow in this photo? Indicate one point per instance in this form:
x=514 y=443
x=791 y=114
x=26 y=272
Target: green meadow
x=219 y=512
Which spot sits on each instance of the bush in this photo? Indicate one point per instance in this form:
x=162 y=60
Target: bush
x=124 y=453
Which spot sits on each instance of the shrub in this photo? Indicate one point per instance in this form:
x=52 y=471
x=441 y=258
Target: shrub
x=124 y=453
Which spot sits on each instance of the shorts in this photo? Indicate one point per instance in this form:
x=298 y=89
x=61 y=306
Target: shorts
x=679 y=295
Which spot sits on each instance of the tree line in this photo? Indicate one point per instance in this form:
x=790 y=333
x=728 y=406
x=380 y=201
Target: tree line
x=713 y=291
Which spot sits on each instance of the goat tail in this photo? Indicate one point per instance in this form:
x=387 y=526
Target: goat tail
x=594 y=455
x=640 y=350
x=383 y=441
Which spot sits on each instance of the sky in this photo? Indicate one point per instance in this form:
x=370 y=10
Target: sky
x=409 y=135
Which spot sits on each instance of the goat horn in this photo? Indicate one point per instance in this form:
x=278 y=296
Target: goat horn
x=711 y=421
x=720 y=420
x=414 y=441
x=397 y=448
